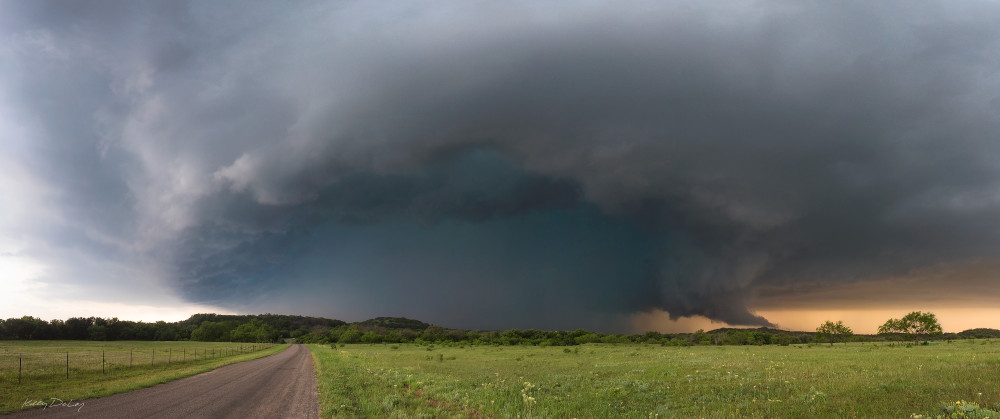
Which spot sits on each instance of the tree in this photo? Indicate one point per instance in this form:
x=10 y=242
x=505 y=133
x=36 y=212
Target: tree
x=832 y=331
x=21 y=328
x=97 y=332
x=915 y=324
x=350 y=336
x=212 y=332
x=254 y=331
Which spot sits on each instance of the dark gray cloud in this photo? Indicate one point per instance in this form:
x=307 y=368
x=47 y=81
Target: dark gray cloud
x=516 y=164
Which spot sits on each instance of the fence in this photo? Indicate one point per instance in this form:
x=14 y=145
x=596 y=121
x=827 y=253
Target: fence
x=22 y=368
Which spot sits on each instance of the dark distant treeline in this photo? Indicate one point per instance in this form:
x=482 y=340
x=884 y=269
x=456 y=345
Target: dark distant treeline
x=277 y=327
x=199 y=327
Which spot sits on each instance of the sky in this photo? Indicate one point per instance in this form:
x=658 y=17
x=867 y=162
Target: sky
x=620 y=167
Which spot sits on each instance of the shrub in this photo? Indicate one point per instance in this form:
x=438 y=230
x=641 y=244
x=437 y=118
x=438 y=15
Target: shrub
x=676 y=342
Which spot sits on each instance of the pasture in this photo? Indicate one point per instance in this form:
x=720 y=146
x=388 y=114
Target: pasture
x=604 y=380
x=40 y=370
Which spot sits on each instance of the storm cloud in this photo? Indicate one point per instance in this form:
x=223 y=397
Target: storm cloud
x=492 y=165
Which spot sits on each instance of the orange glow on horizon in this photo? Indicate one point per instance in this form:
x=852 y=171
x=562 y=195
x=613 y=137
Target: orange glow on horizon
x=863 y=321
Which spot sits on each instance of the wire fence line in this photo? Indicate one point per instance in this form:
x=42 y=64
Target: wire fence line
x=29 y=367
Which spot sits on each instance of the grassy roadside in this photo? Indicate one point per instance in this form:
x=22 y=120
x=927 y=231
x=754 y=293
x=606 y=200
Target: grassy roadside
x=349 y=389
x=596 y=380
x=84 y=386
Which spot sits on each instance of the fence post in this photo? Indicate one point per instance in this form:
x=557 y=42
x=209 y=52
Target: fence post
x=153 y=361
x=185 y=358
x=67 y=365
x=102 y=362
x=170 y=354
x=19 y=368
x=130 y=358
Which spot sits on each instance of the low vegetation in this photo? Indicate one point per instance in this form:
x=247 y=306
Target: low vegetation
x=641 y=380
x=41 y=370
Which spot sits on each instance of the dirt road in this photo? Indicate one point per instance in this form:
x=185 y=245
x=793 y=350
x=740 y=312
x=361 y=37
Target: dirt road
x=279 y=386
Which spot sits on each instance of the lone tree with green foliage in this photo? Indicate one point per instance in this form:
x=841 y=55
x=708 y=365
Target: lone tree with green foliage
x=915 y=324
x=833 y=331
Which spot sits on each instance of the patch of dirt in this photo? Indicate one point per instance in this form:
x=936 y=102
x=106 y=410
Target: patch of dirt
x=442 y=405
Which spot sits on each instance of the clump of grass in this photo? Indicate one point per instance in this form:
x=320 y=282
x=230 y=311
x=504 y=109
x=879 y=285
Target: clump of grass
x=960 y=409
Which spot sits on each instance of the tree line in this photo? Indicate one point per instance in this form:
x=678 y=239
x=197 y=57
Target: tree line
x=199 y=327
x=396 y=330
x=302 y=329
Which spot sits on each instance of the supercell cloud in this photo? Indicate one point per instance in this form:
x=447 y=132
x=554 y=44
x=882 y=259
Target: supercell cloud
x=494 y=165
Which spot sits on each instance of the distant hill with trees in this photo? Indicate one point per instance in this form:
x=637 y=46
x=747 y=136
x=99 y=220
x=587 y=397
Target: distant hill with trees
x=978 y=334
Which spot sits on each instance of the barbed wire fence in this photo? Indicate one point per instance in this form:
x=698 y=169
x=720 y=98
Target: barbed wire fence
x=32 y=367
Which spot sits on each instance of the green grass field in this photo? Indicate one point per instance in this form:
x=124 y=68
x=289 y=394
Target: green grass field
x=104 y=368
x=594 y=380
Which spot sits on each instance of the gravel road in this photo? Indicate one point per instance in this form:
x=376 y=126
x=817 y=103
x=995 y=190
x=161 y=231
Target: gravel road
x=278 y=386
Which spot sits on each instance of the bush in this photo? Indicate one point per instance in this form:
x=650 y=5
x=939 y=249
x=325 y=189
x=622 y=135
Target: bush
x=350 y=336
x=676 y=342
